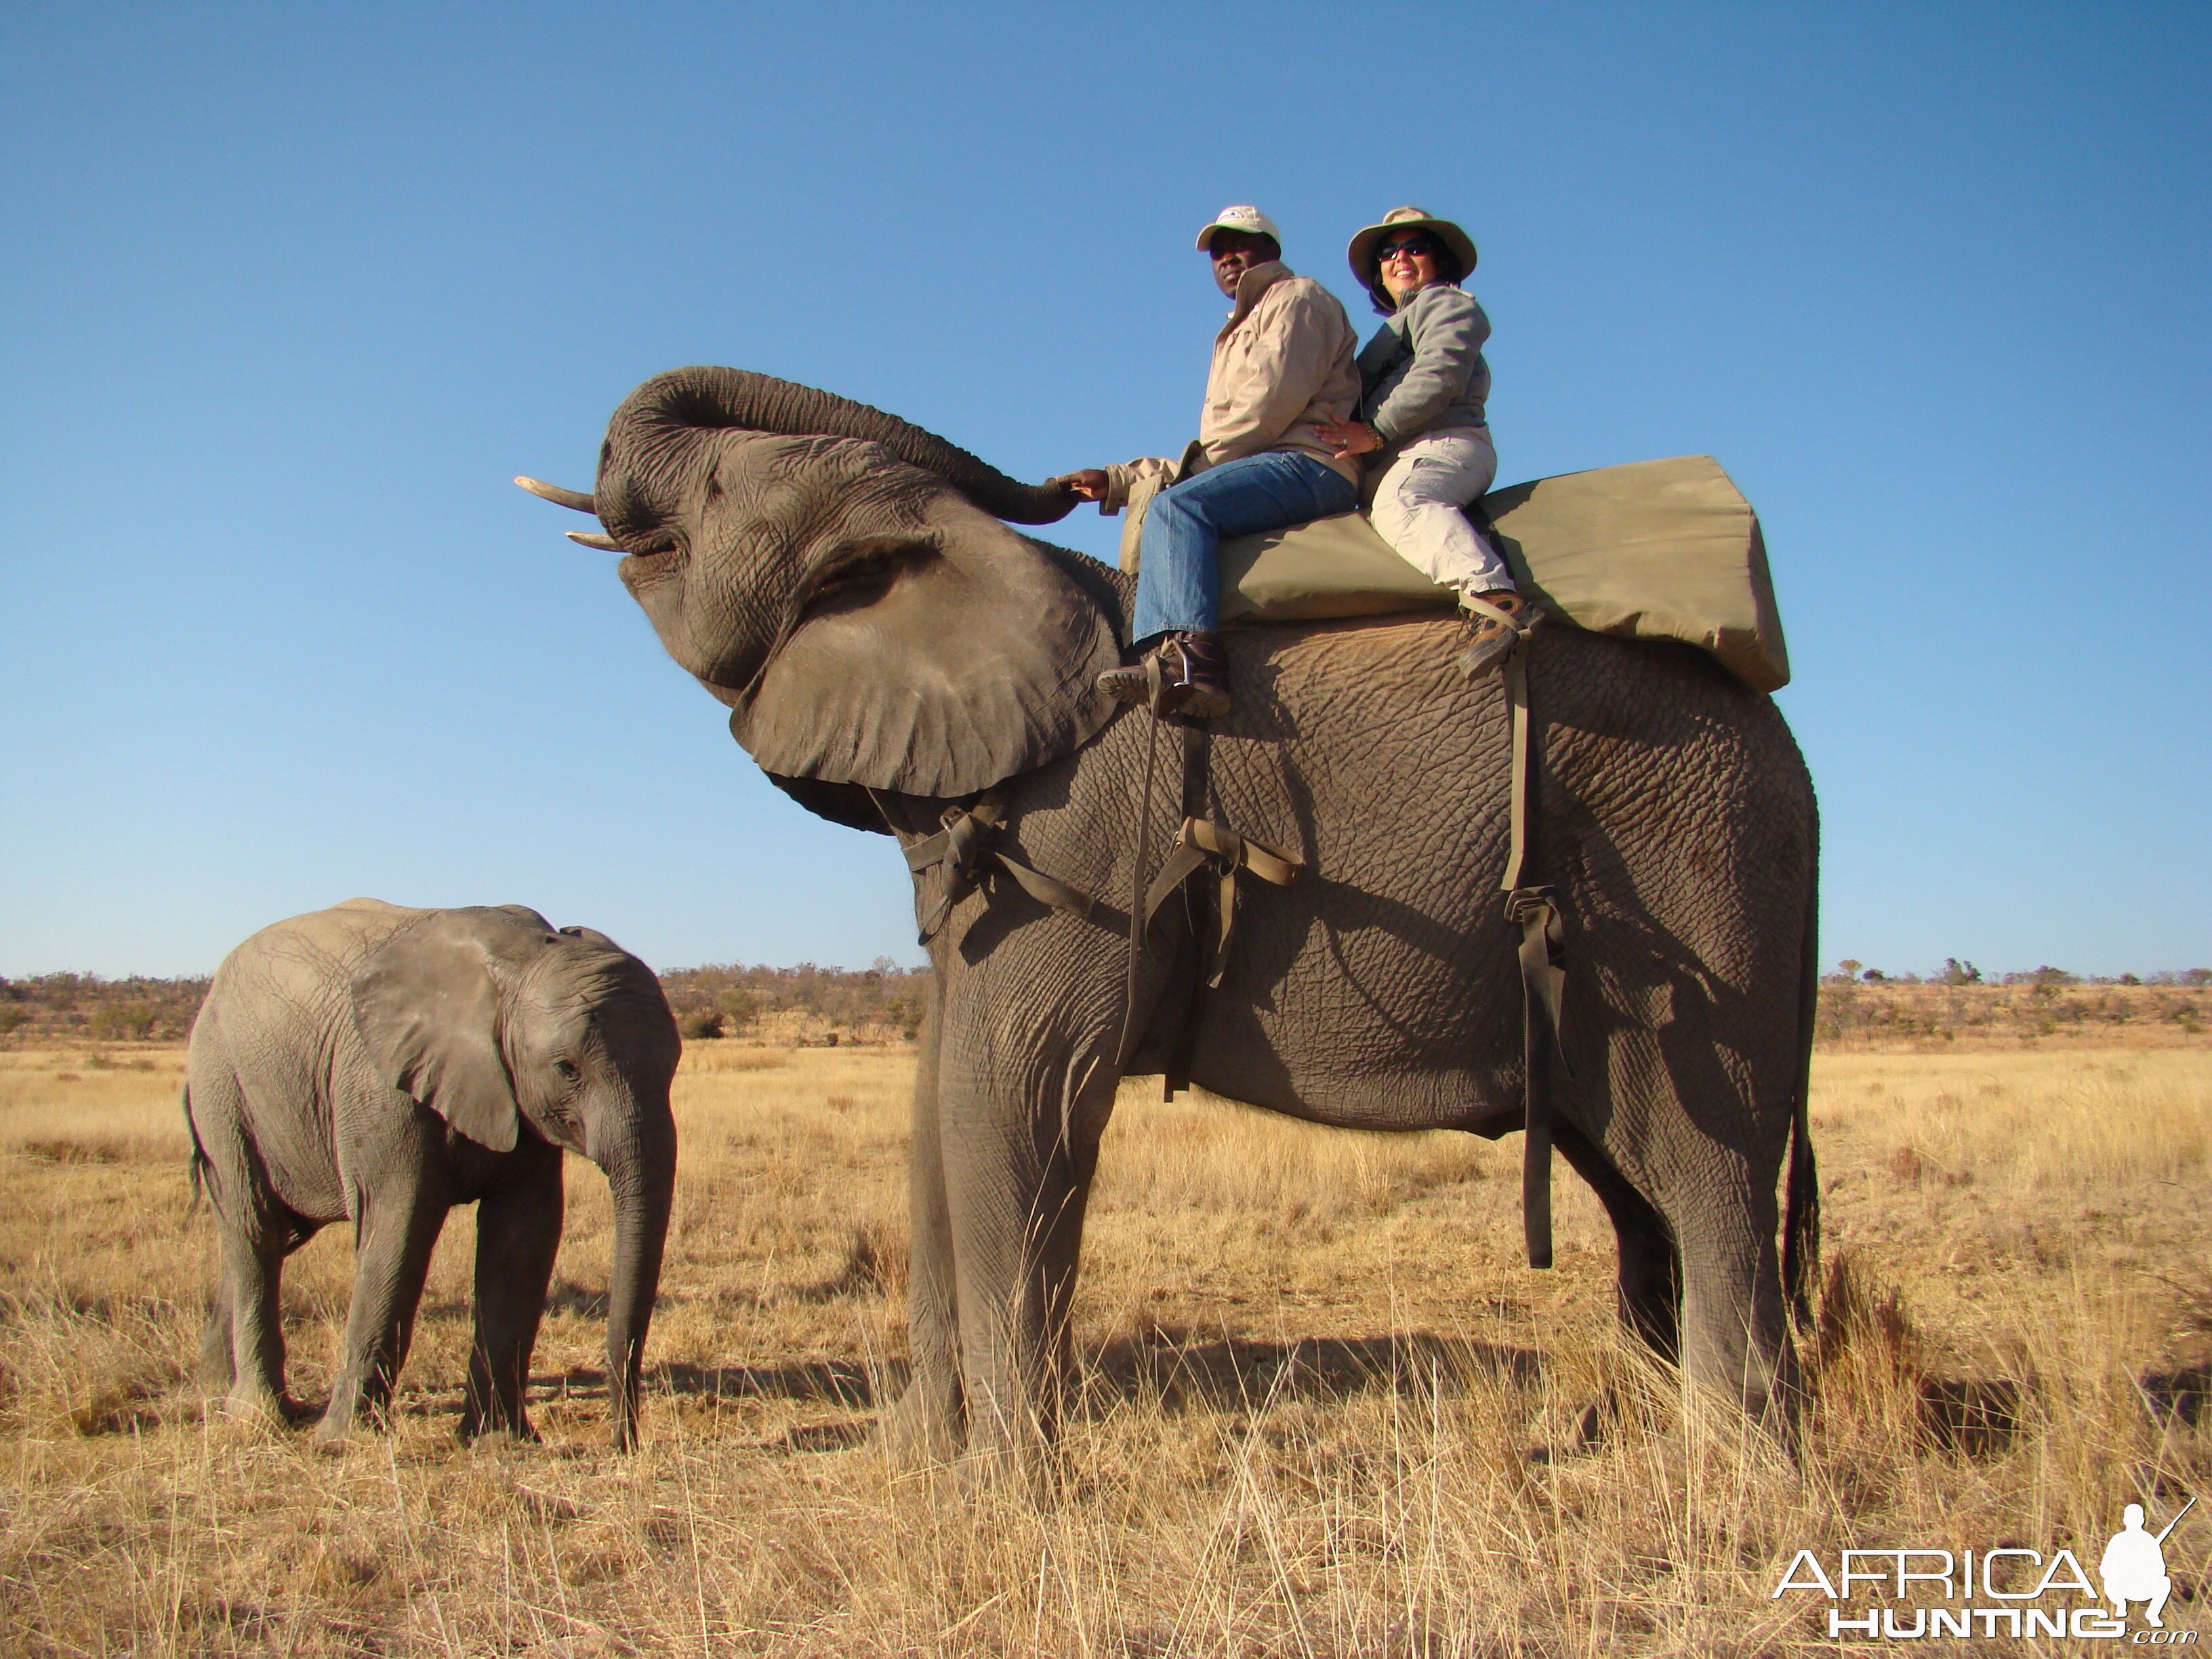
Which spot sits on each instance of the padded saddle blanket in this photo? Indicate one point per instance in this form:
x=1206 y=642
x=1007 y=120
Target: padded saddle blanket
x=1653 y=550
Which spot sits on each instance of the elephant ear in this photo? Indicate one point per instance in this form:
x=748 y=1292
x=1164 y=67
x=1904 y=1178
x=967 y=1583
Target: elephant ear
x=934 y=662
x=428 y=1008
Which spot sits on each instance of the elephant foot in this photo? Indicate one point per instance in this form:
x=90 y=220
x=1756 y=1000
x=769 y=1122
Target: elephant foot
x=921 y=1429
x=254 y=1411
x=1003 y=1472
x=215 y=1376
x=351 y=1409
x=517 y=1431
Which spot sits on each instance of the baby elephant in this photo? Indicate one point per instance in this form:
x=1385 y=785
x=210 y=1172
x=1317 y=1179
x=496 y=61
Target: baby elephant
x=379 y=1065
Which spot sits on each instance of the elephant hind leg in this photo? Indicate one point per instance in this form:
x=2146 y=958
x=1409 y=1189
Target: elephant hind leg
x=1735 y=1334
x=242 y=1349
x=218 y=1366
x=1650 y=1284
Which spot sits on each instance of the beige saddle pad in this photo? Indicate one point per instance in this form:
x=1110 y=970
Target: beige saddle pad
x=1653 y=550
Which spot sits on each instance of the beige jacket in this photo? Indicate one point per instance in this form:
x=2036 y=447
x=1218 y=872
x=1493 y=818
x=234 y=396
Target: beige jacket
x=1284 y=361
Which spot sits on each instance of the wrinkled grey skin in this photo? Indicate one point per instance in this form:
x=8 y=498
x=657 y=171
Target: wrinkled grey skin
x=378 y=1065
x=1675 y=817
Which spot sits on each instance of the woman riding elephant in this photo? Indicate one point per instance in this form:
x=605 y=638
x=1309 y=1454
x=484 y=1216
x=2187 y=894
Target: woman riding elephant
x=1423 y=385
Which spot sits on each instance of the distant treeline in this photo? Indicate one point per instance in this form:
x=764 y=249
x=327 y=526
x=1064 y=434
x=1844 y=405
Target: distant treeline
x=2022 y=1006
x=885 y=1001
x=724 y=1001
x=732 y=1000
x=1955 y=972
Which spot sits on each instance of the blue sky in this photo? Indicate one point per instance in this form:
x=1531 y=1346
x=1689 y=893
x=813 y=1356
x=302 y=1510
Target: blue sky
x=288 y=294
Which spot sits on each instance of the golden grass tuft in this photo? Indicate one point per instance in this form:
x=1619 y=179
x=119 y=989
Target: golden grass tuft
x=1326 y=1411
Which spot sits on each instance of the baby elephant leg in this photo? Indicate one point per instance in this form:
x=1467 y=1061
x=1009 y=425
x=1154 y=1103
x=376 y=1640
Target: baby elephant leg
x=247 y=1315
x=242 y=1350
x=398 y=1230
x=218 y=1368
x=518 y=1234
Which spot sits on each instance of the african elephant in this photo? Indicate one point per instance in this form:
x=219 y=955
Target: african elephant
x=379 y=1065
x=889 y=648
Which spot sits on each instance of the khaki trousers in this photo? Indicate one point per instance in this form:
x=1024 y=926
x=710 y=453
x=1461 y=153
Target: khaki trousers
x=1417 y=510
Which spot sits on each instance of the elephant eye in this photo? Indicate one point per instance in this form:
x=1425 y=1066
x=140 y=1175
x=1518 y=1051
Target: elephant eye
x=566 y=1069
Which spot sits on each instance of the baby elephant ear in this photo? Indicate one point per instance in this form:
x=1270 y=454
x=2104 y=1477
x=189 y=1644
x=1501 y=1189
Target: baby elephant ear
x=427 y=1005
x=940 y=664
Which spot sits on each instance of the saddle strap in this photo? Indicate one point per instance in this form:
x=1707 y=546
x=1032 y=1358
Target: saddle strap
x=1200 y=842
x=1515 y=675
x=962 y=851
x=1542 y=953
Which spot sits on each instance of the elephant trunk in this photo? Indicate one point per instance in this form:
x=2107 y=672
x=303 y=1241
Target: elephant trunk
x=642 y=1175
x=685 y=400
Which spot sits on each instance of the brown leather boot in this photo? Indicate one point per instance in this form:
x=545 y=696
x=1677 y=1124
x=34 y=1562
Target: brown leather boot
x=1185 y=674
x=1493 y=639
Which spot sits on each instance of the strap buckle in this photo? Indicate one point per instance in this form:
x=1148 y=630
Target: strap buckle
x=963 y=852
x=1200 y=842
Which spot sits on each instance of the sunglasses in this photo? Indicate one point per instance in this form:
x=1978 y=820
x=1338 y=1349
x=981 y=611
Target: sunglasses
x=1413 y=246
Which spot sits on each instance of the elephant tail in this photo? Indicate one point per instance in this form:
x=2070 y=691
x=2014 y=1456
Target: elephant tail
x=199 y=1165
x=1801 y=1223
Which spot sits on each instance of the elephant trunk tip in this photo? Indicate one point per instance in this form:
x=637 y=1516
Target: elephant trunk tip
x=575 y=499
x=1028 y=503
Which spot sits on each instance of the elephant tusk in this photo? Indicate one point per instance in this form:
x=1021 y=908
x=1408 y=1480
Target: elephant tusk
x=558 y=497
x=588 y=539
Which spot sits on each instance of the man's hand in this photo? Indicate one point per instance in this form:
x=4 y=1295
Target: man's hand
x=1348 y=437
x=1090 y=482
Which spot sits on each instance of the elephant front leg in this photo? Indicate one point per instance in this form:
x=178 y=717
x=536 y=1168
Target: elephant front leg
x=518 y=1235
x=926 y=1425
x=398 y=1232
x=1017 y=1175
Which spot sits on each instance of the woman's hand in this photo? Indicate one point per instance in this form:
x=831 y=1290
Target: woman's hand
x=1090 y=482
x=1348 y=437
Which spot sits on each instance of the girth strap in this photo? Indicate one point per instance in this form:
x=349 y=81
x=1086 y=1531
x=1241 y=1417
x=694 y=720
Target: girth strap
x=1200 y=842
x=1543 y=941
x=1543 y=957
x=962 y=850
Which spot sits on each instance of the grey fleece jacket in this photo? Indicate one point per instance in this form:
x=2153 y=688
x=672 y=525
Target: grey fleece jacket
x=1423 y=372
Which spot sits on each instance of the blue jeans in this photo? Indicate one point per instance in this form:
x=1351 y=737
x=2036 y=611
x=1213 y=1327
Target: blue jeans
x=1178 y=577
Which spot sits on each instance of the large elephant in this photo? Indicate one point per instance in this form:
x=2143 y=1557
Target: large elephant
x=379 y=1065
x=889 y=648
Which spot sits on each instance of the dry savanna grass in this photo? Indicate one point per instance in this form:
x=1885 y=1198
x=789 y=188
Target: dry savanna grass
x=1327 y=1411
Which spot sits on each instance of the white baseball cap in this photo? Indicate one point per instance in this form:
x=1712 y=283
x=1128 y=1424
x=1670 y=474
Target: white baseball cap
x=1243 y=217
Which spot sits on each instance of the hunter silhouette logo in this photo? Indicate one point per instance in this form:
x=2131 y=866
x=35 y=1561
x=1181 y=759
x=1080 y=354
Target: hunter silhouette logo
x=2008 y=1592
x=2134 y=1565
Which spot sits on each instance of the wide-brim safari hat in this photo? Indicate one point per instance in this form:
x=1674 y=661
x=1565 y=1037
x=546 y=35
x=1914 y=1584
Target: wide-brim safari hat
x=1364 y=264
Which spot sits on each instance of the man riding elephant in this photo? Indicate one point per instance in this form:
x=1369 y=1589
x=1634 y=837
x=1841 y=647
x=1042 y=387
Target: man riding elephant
x=1283 y=365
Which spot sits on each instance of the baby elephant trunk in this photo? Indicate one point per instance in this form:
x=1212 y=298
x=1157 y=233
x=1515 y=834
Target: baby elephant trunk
x=643 y=1178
